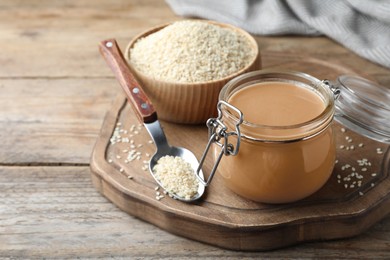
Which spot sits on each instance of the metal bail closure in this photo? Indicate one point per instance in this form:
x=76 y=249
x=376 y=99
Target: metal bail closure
x=336 y=90
x=219 y=135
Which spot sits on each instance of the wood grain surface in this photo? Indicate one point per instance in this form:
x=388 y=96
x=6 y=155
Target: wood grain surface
x=54 y=92
x=351 y=201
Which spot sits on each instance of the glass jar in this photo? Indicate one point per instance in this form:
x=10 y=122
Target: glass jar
x=274 y=164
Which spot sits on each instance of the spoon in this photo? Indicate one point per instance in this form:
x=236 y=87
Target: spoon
x=147 y=115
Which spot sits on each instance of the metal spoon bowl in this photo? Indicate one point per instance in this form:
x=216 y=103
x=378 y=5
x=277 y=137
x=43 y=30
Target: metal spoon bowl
x=148 y=116
x=162 y=150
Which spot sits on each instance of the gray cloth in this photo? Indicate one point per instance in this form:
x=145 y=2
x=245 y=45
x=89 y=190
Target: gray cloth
x=360 y=25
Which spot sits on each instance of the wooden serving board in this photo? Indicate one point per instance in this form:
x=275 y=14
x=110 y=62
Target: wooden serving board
x=347 y=205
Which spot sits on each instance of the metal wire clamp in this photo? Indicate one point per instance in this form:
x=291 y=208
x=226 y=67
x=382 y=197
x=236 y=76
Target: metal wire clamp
x=219 y=135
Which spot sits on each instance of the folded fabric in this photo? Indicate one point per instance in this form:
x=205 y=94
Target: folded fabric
x=360 y=25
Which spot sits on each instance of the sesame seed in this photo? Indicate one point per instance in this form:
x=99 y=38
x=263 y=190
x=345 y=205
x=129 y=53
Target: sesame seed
x=130 y=177
x=176 y=175
x=118 y=157
x=361 y=193
x=194 y=37
x=373 y=174
x=109 y=160
x=150 y=141
x=364 y=169
x=121 y=170
x=361 y=145
x=372 y=184
x=156 y=188
x=342 y=146
x=343 y=130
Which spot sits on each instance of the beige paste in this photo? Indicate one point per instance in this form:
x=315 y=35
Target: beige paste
x=283 y=171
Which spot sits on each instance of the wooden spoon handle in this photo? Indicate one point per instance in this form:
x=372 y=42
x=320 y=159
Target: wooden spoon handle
x=134 y=92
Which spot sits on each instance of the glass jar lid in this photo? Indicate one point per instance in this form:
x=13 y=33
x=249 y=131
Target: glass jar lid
x=364 y=106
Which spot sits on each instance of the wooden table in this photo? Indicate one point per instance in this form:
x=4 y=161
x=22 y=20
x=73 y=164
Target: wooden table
x=55 y=90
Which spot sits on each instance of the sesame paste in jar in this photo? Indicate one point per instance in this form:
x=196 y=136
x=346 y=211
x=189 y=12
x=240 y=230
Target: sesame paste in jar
x=277 y=104
x=279 y=172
